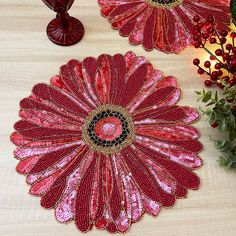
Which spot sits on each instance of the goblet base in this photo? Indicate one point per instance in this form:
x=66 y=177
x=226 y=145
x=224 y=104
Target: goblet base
x=65 y=36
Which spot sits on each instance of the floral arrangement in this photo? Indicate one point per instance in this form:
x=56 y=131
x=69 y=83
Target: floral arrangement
x=218 y=71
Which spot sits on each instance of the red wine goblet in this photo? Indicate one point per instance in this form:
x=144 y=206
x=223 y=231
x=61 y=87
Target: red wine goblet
x=64 y=29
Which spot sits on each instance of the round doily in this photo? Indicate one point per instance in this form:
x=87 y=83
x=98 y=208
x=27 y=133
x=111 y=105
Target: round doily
x=106 y=142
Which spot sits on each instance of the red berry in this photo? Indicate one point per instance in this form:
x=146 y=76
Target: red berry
x=200 y=71
x=233 y=108
x=220 y=72
x=208 y=83
x=212 y=40
x=233 y=35
x=233 y=63
x=220 y=85
x=218 y=66
x=196 y=62
x=232 y=82
x=210 y=19
x=223 y=40
x=224 y=33
x=234 y=76
x=214 y=125
x=196 y=18
x=200 y=25
x=234 y=50
x=205 y=35
x=197 y=28
x=207 y=64
x=225 y=56
x=232 y=57
x=226 y=78
x=214 y=75
x=196 y=38
x=229 y=100
x=210 y=30
x=218 y=52
x=197 y=45
x=212 y=58
x=229 y=46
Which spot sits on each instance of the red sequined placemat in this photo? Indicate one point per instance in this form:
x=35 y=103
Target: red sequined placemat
x=166 y=25
x=105 y=142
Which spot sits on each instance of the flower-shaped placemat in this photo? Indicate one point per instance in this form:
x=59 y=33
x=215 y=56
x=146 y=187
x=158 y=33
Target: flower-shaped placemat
x=105 y=142
x=166 y=25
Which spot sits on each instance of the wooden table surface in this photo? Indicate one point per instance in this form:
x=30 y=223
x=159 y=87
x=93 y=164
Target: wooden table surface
x=27 y=57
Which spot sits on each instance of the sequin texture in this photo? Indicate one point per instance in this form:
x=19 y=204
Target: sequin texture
x=106 y=142
x=166 y=25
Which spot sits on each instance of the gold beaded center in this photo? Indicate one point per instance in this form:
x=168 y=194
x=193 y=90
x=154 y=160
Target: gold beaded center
x=163 y=3
x=111 y=146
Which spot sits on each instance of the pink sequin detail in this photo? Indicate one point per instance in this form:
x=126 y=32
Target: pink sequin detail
x=108 y=128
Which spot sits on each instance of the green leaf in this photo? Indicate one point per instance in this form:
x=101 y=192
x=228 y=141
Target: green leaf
x=219 y=114
x=216 y=96
x=234 y=149
x=207 y=97
x=219 y=144
x=233 y=10
x=223 y=126
x=210 y=103
x=222 y=101
x=228 y=157
x=232 y=121
x=232 y=134
x=224 y=162
x=209 y=112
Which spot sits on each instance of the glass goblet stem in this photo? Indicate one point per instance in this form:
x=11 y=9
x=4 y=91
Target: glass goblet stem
x=63 y=17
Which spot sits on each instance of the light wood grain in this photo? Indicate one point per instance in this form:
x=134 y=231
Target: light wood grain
x=27 y=57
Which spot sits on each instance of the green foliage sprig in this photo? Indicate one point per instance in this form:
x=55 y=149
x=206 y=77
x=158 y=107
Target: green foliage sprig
x=228 y=150
x=221 y=114
x=233 y=10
